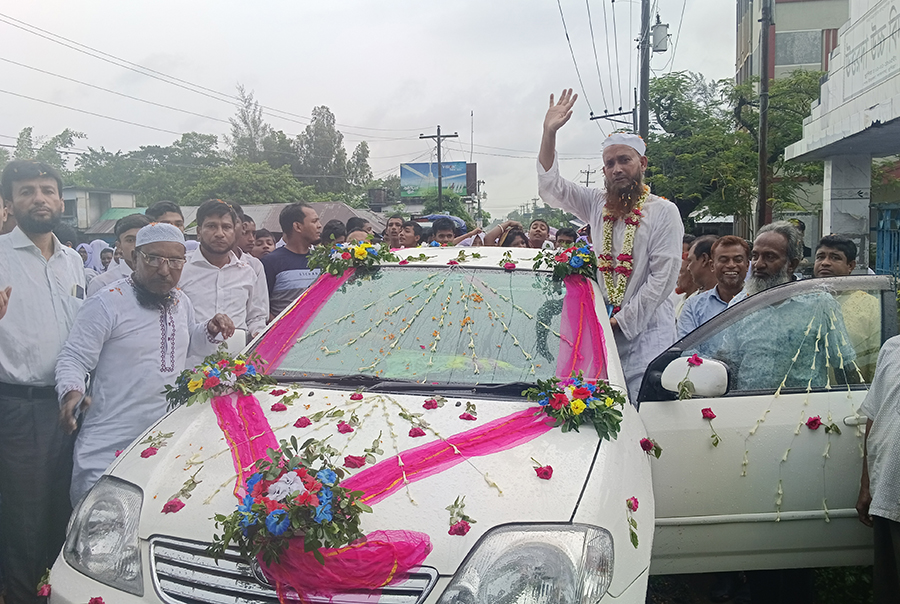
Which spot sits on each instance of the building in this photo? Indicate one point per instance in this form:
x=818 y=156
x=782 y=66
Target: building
x=84 y=206
x=805 y=33
x=857 y=118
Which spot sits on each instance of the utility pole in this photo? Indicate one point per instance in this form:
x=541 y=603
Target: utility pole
x=438 y=138
x=480 y=221
x=762 y=202
x=644 y=117
x=587 y=176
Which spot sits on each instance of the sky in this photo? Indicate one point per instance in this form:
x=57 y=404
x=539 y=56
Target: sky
x=389 y=70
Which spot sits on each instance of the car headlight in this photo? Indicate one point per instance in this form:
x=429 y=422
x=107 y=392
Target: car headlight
x=102 y=541
x=534 y=564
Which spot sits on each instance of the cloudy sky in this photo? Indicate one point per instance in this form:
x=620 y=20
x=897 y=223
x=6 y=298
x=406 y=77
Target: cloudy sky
x=388 y=69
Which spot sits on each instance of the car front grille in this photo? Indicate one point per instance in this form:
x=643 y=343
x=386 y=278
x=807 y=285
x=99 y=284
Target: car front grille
x=184 y=573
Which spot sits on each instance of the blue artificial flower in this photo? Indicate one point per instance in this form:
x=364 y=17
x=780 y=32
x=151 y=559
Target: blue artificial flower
x=251 y=370
x=584 y=250
x=576 y=262
x=326 y=476
x=325 y=495
x=214 y=372
x=251 y=482
x=591 y=387
x=323 y=512
x=434 y=244
x=372 y=251
x=246 y=506
x=544 y=401
x=277 y=522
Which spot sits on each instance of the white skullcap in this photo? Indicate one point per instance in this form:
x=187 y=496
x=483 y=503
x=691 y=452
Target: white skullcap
x=159 y=231
x=625 y=138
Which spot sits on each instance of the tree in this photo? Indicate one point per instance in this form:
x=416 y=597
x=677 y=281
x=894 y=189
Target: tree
x=53 y=150
x=248 y=130
x=250 y=183
x=359 y=174
x=322 y=159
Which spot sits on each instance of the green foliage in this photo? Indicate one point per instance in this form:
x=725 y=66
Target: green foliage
x=553 y=216
x=602 y=408
x=53 y=150
x=218 y=374
x=453 y=205
x=321 y=157
x=249 y=183
x=339 y=257
x=248 y=130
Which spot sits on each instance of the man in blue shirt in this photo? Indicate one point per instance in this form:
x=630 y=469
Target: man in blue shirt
x=730 y=256
x=287 y=269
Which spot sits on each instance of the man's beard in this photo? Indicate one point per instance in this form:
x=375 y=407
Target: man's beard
x=756 y=284
x=627 y=193
x=149 y=299
x=39 y=227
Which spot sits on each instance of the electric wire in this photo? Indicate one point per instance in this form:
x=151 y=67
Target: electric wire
x=616 y=45
x=677 y=37
x=574 y=62
x=594 y=46
x=608 y=50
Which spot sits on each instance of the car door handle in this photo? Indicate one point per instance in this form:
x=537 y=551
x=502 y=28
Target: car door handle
x=855 y=420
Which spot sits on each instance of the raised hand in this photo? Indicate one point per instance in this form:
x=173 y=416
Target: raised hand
x=560 y=112
x=4 y=300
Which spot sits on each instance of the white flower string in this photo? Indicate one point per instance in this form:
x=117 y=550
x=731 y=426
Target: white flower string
x=616 y=274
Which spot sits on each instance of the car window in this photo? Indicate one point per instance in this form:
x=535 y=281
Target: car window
x=811 y=341
x=461 y=325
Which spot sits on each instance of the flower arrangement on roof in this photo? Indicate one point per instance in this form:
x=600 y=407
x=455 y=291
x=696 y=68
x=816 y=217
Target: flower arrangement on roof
x=339 y=257
x=576 y=260
x=219 y=373
x=575 y=401
x=295 y=496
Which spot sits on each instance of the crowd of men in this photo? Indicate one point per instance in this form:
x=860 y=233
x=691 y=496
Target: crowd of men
x=76 y=317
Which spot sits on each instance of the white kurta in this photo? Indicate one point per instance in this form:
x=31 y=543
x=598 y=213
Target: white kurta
x=113 y=273
x=133 y=352
x=647 y=317
x=235 y=290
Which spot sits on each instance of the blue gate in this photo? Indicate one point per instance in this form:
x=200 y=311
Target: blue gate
x=887 y=254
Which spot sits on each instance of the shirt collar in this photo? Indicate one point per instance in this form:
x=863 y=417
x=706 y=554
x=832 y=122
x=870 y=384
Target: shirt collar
x=21 y=241
x=197 y=257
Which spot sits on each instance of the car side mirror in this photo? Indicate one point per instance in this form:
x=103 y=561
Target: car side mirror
x=710 y=378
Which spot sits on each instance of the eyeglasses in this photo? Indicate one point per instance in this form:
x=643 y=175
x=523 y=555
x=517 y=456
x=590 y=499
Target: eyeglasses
x=158 y=261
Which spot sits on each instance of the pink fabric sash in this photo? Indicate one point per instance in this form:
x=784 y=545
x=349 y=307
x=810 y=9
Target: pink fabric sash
x=247 y=432
x=583 y=345
x=387 y=476
x=275 y=345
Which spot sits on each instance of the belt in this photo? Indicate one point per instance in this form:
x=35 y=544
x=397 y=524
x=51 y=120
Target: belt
x=27 y=392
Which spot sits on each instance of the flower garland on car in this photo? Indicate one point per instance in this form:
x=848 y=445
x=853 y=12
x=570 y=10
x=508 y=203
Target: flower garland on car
x=219 y=373
x=575 y=401
x=339 y=257
x=576 y=260
x=615 y=276
x=296 y=495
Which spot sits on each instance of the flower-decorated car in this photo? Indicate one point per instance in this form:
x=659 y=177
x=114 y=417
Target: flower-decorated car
x=398 y=458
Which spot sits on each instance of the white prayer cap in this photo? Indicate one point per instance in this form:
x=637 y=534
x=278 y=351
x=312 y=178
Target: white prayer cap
x=159 y=231
x=626 y=138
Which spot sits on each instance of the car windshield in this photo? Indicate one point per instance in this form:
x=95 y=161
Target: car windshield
x=451 y=326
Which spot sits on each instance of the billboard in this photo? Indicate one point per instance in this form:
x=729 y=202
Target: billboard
x=420 y=180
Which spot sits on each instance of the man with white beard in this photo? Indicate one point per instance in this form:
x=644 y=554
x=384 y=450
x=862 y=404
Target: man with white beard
x=777 y=250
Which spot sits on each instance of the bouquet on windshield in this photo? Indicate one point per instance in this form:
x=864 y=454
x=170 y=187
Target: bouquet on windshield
x=574 y=401
x=219 y=373
x=295 y=496
x=576 y=260
x=339 y=257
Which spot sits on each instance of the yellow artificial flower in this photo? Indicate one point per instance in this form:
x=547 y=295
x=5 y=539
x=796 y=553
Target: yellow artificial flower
x=609 y=402
x=194 y=384
x=360 y=253
x=578 y=406
x=239 y=363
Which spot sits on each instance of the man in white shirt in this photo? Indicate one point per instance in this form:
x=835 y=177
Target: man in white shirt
x=126 y=233
x=216 y=280
x=41 y=290
x=645 y=228
x=245 y=241
x=141 y=325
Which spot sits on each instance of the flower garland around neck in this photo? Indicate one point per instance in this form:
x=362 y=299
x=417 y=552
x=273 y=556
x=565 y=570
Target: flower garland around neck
x=624 y=265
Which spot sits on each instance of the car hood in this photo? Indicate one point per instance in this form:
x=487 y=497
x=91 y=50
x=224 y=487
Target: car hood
x=499 y=483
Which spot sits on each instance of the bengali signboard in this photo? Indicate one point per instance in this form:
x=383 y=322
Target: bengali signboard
x=420 y=180
x=871 y=47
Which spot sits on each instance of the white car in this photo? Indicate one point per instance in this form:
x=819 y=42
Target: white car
x=477 y=335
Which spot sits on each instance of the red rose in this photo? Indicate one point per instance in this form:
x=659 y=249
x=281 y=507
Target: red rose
x=510 y=266
x=695 y=361
x=307 y=498
x=453 y=263
x=149 y=452
x=460 y=528
x=813 y=423
x=647 y=445
x=430 y=404
x=559 y=400
x=44 y=591
x=403 y=262
x=278 y=392
x=708 y=413
x=468 y=416
x=211 y=382
x=279 y=407
x=544 y=472
x=346 y=255
x=272 y=505
x=343 y=427
x=632 y=503
x=97 y=600
x=582 y=393
x=302 y=422
x=562 y=258
x=354 y=461
x=118 y=452
x=223 y=363
x=416 y=432
x=356 y=396
x=172 y=506
x=239 y=370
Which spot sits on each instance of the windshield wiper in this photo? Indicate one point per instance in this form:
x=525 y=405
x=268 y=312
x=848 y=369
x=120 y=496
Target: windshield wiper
x=509 y=389
x=356 y=380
